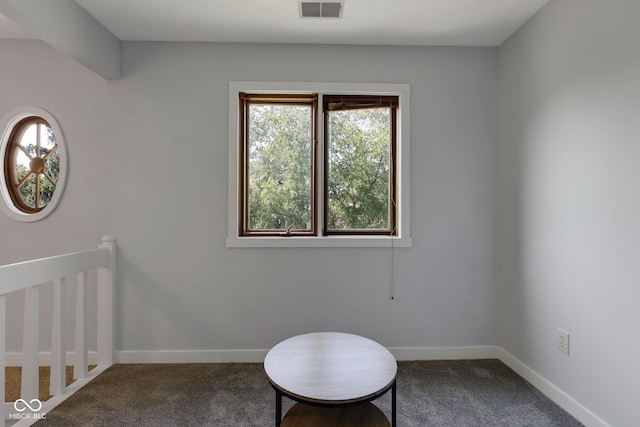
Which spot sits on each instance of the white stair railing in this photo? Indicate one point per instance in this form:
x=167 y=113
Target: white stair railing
x=29 y=276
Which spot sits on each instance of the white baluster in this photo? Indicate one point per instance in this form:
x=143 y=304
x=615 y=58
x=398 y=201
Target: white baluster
x=30 y=344
x=80 y=365
x=58 y=370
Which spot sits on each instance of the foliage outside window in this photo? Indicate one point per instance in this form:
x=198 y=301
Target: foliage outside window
x=360 y=147
x=33 y=164
x=278 y=154
x=279 y=168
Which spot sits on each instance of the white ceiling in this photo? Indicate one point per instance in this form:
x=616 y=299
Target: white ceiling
x=384 y=22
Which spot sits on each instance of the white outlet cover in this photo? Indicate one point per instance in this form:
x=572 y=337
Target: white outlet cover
x=563 y=341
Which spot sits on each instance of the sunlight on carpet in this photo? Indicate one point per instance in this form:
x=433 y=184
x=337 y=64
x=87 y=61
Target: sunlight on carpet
x=13 y=381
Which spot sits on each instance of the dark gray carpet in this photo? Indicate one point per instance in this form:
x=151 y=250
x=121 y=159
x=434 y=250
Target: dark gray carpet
x=470 y=393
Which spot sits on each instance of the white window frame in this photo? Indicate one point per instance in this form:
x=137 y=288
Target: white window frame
x=6 y=128
x=403 y=239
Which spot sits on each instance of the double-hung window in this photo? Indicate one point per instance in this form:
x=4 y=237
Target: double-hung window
x=320 y=164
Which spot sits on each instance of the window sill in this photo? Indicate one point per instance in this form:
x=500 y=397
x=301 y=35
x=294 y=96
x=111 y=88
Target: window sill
x=319 y=242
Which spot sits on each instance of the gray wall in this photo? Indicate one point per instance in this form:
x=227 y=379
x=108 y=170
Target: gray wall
x=569 y=200
x=554 y=111
x=148 y=163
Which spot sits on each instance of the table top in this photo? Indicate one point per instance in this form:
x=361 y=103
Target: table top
x=330 y=368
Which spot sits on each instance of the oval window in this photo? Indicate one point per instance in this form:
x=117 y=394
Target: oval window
x=34 y=164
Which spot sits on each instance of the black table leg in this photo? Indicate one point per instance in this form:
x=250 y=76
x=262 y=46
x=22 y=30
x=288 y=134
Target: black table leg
x=393 y=404
x=278 y=407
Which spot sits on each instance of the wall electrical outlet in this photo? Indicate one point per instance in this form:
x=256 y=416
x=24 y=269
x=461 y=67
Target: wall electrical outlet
x=563 y=341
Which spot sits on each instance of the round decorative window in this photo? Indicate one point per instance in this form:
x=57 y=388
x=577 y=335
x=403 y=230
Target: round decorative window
x=34 y=164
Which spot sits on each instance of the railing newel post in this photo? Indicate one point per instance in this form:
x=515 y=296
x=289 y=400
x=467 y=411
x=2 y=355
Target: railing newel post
x=106 y=303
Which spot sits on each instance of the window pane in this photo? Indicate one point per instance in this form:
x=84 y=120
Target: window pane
x=28 y=191
x=359 y=169
x=37 y=164
x=279 y=179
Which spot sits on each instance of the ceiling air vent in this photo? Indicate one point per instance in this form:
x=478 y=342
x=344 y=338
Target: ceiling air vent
x=321 y=9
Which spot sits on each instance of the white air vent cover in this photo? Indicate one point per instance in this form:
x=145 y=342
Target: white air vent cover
x=321 y=9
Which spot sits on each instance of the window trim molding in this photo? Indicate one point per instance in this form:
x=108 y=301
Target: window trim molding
x=7 y=125
x=403 y=239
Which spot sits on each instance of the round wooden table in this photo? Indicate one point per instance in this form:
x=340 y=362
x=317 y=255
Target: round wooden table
x=331 y=370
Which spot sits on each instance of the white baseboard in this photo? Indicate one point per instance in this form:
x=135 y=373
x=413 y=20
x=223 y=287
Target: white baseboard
x=444 y=353
x=258 y=355
x=44 y=358
x=191 y=356
x=562 y=399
